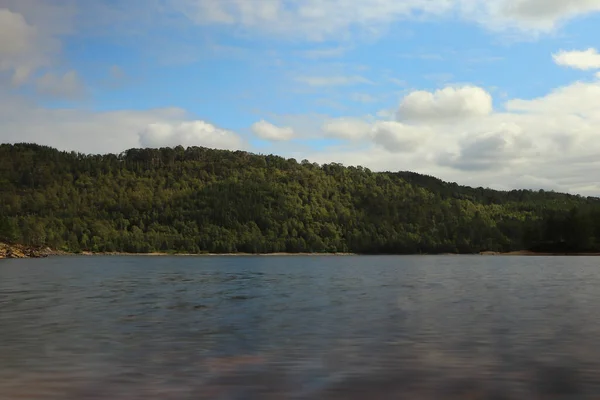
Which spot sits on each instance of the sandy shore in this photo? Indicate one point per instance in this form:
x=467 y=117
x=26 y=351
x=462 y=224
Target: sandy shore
x=533 y=253
x=87 y=253
x=19 y=251
x=484 y=253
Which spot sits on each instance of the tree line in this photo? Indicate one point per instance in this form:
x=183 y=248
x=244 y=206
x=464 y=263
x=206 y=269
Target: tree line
x=197 y=200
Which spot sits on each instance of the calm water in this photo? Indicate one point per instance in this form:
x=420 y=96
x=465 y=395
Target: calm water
x=300 y=328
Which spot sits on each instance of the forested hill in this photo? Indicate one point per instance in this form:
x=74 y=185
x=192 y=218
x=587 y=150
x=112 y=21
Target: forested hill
x=202 y=200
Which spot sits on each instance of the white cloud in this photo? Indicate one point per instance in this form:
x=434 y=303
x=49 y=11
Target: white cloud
x=320 y=20
x=548 y=142
x=19 y=47
x=30 y=31
x=453 y=133
x=266 y=130
x=486 y=150
x=107 y=131
x=533 y=183
x=347 y=128
x=68 y=86
x=311 y=19
x=578 y=98
x=188 y=133
x=396 y=137
x=445 y=104
x=338 y=80
x=17 y=34
x=392 y=136
x=586 y=59
x=544 y=15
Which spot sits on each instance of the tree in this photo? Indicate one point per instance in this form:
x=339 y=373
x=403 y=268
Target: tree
x=203 y=200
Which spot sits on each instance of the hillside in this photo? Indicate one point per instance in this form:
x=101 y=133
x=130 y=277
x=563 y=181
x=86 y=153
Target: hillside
x=201 y=200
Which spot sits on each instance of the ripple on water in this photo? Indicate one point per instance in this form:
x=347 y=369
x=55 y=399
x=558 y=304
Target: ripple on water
x=307 y=328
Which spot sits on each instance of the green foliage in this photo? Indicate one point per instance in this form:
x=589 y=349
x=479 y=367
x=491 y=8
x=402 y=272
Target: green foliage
x=200 y=200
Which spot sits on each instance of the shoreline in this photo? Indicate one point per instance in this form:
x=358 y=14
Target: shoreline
x=20 y=251
x=159 y=254
x=529 y=253
x=283 y=254
x=508 y=254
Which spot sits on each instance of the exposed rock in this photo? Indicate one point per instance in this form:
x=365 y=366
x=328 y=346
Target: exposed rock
x=15 y=253
x=19 y=251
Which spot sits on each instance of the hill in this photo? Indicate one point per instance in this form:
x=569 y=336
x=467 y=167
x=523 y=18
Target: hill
x=198 y=200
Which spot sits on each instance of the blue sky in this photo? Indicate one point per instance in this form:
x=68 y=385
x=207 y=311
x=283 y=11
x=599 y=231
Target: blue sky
x=497 y=93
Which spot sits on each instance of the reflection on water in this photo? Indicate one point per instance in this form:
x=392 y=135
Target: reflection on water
x=300 y=328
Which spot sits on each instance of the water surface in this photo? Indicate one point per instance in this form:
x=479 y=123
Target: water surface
x=300 y=328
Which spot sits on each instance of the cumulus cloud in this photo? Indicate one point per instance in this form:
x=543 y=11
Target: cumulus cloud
x=445 y=104
x=67 y=86
x=106 y=131
x=453 y=133
x=535 y=140
x=17 y=34
x=392 y=136
x=347 y=128
x=396 y=137
x=268 y=131
x=30 y=32
x=544 y=15
x=586 y=59
x=19 y=46
x=487 y=150
x=548 y=142
x=579 y=98
x=188 y=133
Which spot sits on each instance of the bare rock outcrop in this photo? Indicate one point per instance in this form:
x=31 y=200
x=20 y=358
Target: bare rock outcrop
x=20 y=251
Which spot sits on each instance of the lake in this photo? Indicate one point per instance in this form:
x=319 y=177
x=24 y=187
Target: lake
x=377 y=327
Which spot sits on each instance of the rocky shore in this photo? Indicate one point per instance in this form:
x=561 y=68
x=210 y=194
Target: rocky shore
x=20 y=251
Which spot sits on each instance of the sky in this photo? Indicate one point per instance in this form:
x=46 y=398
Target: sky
x=495 y=93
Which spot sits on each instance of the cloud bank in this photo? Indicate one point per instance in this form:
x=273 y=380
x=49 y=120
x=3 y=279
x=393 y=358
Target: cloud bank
x=455 y=132
x=188 y=133
x=319 y=20
x=31 y=31
x=445 y=104
x=266 y=130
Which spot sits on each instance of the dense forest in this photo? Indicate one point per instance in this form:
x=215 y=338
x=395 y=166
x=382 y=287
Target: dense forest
x=198 y=200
